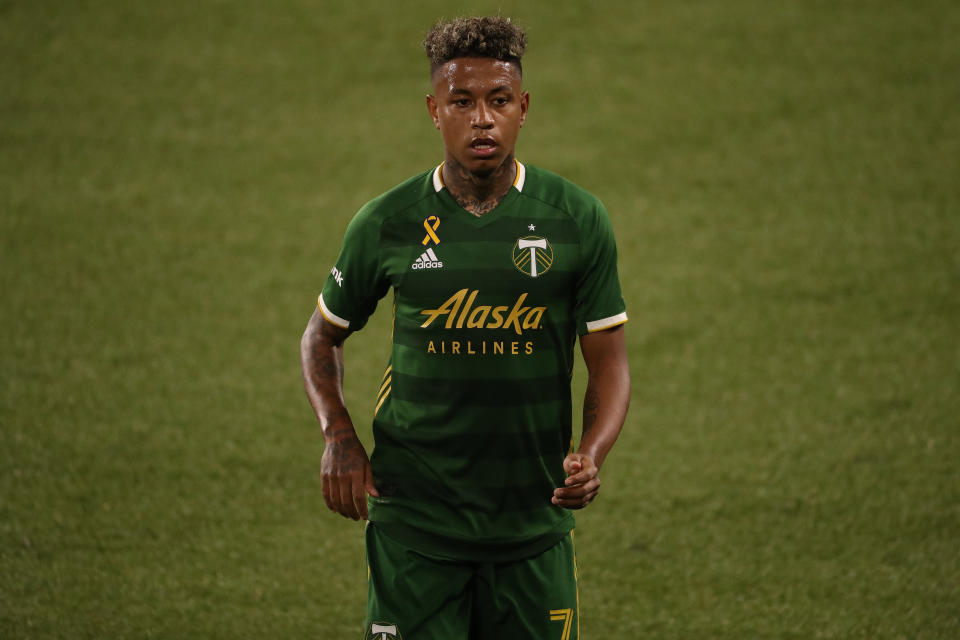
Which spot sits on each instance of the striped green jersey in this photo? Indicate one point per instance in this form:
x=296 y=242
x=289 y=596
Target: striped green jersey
x=473 y=416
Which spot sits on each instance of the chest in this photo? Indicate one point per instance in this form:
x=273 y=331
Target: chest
x=438 y=253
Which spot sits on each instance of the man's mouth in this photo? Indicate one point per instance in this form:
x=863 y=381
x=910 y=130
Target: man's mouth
x=483 y=146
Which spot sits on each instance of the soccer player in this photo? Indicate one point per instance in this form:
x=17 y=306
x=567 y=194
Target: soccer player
x=496 y=267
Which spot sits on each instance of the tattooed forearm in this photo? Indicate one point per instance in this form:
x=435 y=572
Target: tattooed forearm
x=591 y=408
x=321 y=352
x=336 y=424
x=608 y=391
x=323 y=364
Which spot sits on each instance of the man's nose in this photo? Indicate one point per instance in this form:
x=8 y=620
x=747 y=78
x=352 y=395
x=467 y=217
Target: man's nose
x=482 y=117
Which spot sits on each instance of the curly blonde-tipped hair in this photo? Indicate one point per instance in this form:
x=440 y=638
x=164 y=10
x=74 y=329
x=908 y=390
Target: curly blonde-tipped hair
x=483 y=37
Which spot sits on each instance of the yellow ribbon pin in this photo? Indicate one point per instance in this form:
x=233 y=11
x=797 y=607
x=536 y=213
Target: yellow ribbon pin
x=431 y=224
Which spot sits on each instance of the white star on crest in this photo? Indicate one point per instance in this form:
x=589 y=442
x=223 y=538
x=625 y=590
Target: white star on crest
x=532 y=228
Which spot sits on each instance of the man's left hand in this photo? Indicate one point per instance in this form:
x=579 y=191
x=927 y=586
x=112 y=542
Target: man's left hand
x=582 y=483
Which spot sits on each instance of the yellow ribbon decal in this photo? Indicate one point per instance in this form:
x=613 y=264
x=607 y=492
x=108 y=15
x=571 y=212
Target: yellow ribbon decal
x=431 y=224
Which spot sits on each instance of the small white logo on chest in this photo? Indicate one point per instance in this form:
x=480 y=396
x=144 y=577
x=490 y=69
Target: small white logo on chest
x=427 y=260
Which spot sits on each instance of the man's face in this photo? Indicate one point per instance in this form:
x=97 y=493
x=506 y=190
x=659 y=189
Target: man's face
x=479 y=107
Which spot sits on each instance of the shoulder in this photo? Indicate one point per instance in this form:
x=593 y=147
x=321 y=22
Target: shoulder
x=565 y=196
x=397 y=200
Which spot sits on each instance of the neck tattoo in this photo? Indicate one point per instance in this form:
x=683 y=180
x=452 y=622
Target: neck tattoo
x=477 y=206
x=480 y=195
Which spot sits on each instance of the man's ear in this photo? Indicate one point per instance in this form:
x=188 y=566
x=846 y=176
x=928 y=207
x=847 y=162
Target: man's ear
x=432 y=110
x=524 y=107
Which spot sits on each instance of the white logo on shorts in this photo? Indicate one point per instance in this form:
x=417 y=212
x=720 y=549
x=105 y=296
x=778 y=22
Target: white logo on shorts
x=383 y=631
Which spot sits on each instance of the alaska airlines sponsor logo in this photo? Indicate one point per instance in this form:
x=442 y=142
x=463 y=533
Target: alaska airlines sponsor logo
x=460 y=312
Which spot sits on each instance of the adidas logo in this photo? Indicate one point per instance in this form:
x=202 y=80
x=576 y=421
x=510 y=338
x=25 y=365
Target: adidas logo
x=427 y=260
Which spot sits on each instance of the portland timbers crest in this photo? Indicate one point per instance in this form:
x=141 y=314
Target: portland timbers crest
x=383 y=631
x=533 y=255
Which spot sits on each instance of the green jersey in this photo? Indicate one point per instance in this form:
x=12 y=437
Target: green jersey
x=473 y=416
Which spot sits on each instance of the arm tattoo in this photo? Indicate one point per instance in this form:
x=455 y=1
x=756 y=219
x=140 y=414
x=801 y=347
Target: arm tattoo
x=322 y=363
x=327 y=362
x=337 y=434
x=591 y=407
x=325 y=365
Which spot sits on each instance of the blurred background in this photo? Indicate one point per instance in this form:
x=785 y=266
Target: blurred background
x=175 y=179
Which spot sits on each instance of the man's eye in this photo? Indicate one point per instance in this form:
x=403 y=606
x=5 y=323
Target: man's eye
x=500 y=101
x=462 y=102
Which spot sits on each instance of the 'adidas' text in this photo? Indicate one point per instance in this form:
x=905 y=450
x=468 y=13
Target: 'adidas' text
x=427 y=260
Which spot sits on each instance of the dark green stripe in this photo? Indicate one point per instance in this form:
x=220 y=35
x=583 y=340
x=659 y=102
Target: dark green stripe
x=496 y=285
x=510 y=497
x=401 y=232
x=504 y=437
x=474 y=393
x=418 y=338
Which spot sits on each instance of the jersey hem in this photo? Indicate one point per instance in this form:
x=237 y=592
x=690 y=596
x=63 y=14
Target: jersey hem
x=330 y=316
x=465 y=550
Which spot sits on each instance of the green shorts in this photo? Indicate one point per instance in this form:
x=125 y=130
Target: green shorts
x=417 y=596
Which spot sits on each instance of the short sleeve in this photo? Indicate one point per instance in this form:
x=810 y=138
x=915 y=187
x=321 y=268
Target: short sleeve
x=356 y=282
x=599 y=300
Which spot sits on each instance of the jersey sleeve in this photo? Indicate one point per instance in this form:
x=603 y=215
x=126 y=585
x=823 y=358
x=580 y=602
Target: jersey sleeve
x=599 y=301
x=356 y=282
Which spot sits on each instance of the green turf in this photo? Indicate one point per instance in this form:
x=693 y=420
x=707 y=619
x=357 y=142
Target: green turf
x=783 y=178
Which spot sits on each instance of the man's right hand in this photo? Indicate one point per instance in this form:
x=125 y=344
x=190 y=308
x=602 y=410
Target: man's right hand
x=346 y=477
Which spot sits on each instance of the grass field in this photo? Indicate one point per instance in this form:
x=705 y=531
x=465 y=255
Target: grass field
x=784 y=180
